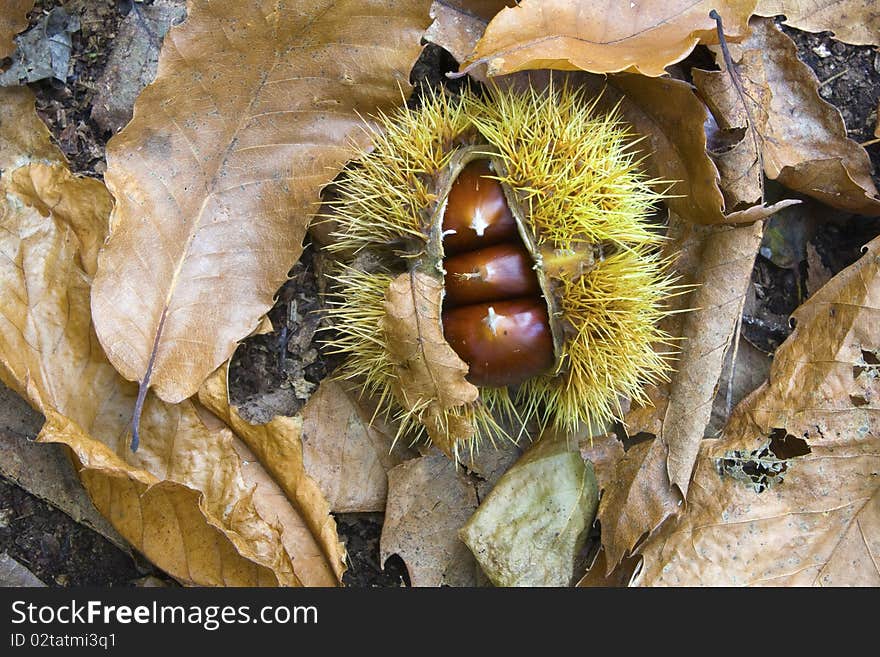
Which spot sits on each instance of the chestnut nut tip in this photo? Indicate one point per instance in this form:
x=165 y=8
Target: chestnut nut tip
x=503 y=342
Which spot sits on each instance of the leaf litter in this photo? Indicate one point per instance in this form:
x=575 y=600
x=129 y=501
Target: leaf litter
x=747 y=453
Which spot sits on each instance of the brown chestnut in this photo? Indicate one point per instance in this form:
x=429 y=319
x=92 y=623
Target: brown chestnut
x=503 y=342
x=495 y=273
x=477 y=214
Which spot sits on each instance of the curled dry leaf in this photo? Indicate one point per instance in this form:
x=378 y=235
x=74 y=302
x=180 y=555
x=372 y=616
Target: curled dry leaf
x=184 y=500
x=458 y=26
x=719 y=260
x=347 y=449
x=672 y=118
x=431 y=376
x=252 y=111
x=13 y=19
x=804 y=140
x=531 y=527
x=853 y=21
x=643 y=37
x=790 y=495
x=429 y=499
x=308 y=530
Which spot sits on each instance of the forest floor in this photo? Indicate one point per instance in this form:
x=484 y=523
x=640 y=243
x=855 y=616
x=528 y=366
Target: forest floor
x=275 y=373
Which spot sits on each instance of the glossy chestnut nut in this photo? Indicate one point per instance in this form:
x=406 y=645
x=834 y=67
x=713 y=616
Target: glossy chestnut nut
x=477 y=214
x=503 y=342
x=495 y=273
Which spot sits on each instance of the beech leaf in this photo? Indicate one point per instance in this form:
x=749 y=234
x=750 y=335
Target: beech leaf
x=804 y=141
x=789 y=495
x=347 y=448
x=531 y=527
x=431 y=376
x=429 y=499
x=643 y=37
x=187 y=500
x=853 y=21
x=255 y=107
x=310 y=532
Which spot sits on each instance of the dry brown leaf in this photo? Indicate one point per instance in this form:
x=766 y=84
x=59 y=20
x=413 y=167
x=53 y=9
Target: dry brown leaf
x=719 y=259
x=183 y=499
x=642 y=37
x=596 y=574
x=13 y=19
x=429 y=500
x=604 y=452
x=431 y=376
x=45 y=471
x=309 y=531
x=458 y=26
x=347 y=449
x=638 y=498
x=816 y=519
x=255 y=107
x=531 y=527
x=740 y=166
x=853 y=21
x=805 y=145
x=672 y=118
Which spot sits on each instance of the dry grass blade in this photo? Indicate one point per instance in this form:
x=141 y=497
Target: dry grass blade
x=218 y=173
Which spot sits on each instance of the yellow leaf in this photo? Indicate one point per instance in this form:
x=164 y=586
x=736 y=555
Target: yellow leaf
x=347 y=448
x=188 y=499
x=311 y=532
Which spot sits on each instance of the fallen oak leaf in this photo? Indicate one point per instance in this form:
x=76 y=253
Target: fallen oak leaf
x=603 y=38
x=254 y=109
x=789 y=495
x=853 y=21
x=13 y=19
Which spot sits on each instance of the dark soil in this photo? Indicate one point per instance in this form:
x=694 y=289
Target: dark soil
x=275 y=372
x=57 y=549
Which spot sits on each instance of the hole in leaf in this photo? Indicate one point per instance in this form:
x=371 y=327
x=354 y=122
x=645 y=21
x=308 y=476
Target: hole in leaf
x=858 y=400
x=765 y=466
